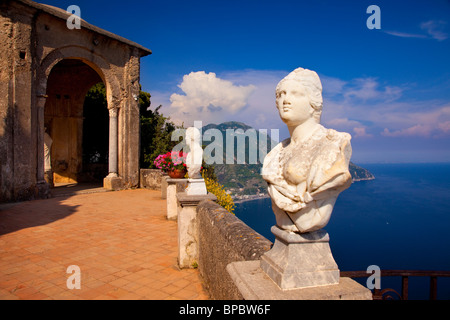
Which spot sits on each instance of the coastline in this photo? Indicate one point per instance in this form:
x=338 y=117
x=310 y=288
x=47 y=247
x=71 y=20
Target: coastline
x=363 y=179
x=250 y=198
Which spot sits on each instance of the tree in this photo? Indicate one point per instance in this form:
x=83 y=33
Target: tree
x=156 y=132
x=95 y=125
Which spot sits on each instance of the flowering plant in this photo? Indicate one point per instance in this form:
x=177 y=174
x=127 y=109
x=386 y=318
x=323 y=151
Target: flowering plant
x=170 y=161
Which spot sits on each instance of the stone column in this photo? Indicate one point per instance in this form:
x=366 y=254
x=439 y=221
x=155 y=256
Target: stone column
x=113 y=142
x=188 y=239
x=43 y=188
x=41 y=99
x=113 y=181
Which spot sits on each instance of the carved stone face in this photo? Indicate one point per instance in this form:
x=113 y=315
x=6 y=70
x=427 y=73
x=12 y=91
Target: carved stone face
x=293 y=103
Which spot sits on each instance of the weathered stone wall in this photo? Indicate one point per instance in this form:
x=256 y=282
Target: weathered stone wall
x=224 y=238
x=17 y=118
x=151 y=179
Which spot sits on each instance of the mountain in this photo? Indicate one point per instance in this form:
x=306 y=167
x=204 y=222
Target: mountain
x=240 y=171
x=359 y=174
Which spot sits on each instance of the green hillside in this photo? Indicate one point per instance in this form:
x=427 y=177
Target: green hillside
x=242 y=178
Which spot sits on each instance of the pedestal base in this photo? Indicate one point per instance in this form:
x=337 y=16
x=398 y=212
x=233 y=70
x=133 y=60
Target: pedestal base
x=43 y=190
x=112 y=183
x=254 y=284
x=196 y=187
x=300 y=260
x=48 y=177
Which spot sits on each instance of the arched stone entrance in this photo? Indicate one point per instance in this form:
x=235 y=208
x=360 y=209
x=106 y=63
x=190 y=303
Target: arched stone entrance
x=123 y=109
x=64 y=119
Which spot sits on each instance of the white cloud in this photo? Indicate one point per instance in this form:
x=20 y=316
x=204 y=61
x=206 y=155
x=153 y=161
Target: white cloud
x=207 y=97
x=418 y=130
x=360 y=132
x=444 y=126
x=435 y=29
x=428 y=123
x=364 y=107
x=247 y=96
x=405 y=35
x=332 y=86
x=345 y=124
x=369 y=89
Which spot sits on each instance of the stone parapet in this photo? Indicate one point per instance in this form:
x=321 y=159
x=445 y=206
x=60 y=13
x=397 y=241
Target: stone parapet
x=224 y=238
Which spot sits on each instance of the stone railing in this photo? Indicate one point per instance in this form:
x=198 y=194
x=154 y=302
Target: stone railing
x=209 y=237
x=224 y=238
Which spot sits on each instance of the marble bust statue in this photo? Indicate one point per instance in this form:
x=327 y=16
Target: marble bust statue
x=306 y=172
x=195 y=154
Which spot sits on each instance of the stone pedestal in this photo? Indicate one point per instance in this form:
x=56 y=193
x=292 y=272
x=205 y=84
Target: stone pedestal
x=187 y=228
x=48 y=177
x=171 y=196
x=300 y=260
x=43 y=190
x=196 y=187
x=254 y=284
x=112 y=182
x=298 y=267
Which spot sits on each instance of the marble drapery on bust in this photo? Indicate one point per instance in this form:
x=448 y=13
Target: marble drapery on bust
x=306 y=172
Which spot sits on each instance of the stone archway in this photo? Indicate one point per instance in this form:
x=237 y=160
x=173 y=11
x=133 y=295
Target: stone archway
x=35 y=39
x=67 y=85
x=99 y=70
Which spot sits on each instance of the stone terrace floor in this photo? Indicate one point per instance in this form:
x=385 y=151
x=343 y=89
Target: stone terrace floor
x=121 y=241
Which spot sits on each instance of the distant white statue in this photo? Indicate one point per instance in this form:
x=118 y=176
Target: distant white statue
x=48 y=174
x=195 y=154
x=306 y=172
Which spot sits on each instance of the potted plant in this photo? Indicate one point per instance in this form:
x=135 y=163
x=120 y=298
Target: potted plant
x=174 y=163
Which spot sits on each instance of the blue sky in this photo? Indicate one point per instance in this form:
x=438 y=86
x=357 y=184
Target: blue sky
x=218 y=61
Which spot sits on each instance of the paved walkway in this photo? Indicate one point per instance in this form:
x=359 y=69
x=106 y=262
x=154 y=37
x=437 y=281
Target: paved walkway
x=121 y=241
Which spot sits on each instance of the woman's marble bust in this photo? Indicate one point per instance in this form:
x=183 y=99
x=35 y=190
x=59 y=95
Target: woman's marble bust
x=306 y=172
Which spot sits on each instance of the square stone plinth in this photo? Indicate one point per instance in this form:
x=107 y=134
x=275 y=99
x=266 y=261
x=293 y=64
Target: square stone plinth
x=196 y=187
x=254 y=284
x=113 y=183
x=300 y=260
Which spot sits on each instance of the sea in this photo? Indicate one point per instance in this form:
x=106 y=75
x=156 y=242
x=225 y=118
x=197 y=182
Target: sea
x=398 y=221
